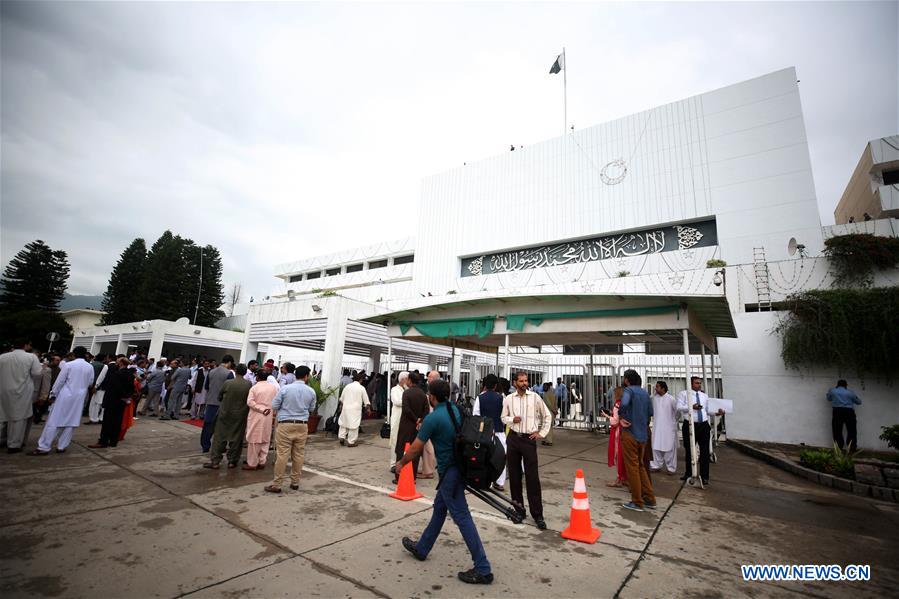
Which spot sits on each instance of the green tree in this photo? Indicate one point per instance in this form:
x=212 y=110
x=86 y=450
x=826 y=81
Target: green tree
x=173 y=281
x=205 y=283
x=35 y=278
x=33 y=325
x=120 y=302
x=164 y=284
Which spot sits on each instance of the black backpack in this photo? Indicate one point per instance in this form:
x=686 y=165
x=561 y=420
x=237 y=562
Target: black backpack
x=331 y=425
x=479 y=455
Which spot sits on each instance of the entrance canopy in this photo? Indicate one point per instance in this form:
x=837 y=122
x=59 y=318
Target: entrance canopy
x=601 y=321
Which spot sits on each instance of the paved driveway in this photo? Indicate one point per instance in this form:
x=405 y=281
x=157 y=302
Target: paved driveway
x=146 y=520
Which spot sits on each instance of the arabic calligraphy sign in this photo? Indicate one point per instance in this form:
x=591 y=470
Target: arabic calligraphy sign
x=634 y=243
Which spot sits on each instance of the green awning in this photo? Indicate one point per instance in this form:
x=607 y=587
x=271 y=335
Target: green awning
x=454 y=327
x=516 y=322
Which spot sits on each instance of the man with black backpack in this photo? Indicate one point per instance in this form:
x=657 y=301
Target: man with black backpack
x=440 y=427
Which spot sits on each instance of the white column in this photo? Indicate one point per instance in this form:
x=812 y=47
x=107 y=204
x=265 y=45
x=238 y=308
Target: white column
x=687 y=359
x=156 y=341
x=389 y=374
x=335 y=341
x=121 y=347
x=702 y=362
x=714 y=379
x=374 y=359
x=506 y=372
x=249 y=351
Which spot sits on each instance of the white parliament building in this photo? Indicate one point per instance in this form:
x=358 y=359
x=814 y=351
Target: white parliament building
x=615 y=276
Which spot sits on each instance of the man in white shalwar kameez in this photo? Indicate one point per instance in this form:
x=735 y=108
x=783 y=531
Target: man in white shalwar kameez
x=17 y=369
x=664 y=430
x=396 y=411
x=354 y=396
x=74 y=379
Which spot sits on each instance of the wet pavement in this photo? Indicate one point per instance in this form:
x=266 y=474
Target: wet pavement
x=146 y=520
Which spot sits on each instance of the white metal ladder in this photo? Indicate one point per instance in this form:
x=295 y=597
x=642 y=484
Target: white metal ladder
x=762 y=282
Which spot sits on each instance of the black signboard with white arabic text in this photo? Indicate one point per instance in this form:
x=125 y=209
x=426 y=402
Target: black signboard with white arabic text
x=633 y=243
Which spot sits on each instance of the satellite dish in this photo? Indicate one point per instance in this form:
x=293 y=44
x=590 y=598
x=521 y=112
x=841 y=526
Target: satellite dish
x=792 y=246
x=183 y=320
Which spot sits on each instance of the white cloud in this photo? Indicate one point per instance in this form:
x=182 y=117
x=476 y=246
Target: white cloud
x=277 y=131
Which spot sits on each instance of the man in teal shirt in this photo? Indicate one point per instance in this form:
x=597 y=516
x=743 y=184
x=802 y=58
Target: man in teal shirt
x=438 y=428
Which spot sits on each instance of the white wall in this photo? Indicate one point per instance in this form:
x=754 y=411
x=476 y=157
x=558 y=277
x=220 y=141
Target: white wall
x=738 y=153
x=772 y=403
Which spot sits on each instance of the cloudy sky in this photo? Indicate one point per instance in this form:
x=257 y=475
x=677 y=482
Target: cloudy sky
x=280 y=131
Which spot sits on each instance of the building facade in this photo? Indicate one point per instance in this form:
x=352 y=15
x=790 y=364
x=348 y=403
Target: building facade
x=591 y=252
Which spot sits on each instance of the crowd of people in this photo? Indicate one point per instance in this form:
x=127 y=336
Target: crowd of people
x=264 y=406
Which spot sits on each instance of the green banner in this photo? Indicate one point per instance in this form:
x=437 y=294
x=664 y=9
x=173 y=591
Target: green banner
x=516 y=322
x=455 y=327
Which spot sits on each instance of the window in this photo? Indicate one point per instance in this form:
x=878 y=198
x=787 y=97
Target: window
x=891 y=177
x=377 y=264
x=332 y=272
x=313 y=275
x=295 y=278
x=404 y=259
x=354 y=267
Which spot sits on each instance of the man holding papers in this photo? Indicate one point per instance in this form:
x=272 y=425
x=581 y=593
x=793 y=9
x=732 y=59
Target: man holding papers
x=696 y=401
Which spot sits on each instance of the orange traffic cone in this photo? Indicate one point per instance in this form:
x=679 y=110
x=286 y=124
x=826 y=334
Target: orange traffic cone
x=405 y=489
x=579 y=527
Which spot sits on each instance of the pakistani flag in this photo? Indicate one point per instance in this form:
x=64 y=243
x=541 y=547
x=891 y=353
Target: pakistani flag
x=558 y=65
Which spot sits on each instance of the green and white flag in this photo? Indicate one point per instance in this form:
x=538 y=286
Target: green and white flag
x=558 y=65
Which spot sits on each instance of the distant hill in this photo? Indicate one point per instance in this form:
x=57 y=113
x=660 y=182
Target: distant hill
x=70 y=302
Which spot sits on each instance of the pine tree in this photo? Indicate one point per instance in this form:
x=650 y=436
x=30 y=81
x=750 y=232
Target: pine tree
x=35 y=279
x=165 y=283
x=212 y=294
x=120 y=302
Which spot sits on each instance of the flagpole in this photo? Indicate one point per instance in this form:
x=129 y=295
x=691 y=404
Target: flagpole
x=565 y=89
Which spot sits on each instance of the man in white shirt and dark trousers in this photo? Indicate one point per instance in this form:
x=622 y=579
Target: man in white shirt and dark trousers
x=697 y=401
x=529 y=419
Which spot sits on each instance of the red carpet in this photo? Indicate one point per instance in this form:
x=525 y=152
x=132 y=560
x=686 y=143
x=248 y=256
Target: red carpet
x=194 y=421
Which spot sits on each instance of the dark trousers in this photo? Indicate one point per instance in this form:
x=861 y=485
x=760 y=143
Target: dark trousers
x=209 y=417
x=843 y=416
x=521 y=448
x=703 y=434
x=112 y=422
x=451 y=498
x=232 y=446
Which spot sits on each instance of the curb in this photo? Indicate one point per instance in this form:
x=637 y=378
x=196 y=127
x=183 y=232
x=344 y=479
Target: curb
x=825 y=480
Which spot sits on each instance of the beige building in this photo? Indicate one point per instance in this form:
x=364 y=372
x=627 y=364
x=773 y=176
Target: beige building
x=82 y=318
x=874 y=186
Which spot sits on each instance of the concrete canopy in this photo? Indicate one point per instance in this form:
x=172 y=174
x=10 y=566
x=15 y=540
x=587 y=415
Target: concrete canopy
x=607 y=320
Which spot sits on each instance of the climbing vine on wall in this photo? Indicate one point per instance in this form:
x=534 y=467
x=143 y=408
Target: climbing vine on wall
x=854 y=258
x=853 y=330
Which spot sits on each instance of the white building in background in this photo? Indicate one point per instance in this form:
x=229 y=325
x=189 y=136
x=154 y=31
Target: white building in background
x=160 y=339
x=79 y=318
x=587 y=253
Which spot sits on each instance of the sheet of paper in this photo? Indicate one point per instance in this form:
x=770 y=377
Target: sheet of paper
x=720 y=404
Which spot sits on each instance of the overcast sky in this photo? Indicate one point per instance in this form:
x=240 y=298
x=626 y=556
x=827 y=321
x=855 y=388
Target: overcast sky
x=281 y=131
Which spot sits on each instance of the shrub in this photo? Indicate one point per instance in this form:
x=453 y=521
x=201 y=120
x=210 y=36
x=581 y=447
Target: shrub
x=623 y=273
x=846 y=329
x=328 y=293
x=837 y=462
x=855 y=257
x=715 y=263
x=890 y=434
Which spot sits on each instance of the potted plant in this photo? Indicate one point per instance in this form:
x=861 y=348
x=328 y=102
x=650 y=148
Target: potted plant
x=322 y=394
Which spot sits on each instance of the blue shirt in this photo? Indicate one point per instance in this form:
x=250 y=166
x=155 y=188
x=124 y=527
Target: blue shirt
x=439 y=430
x=636 y=408
x=561 y=392
x=841 y=397
x=294 y=401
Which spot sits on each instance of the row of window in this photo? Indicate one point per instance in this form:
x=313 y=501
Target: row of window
x=333 y=272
